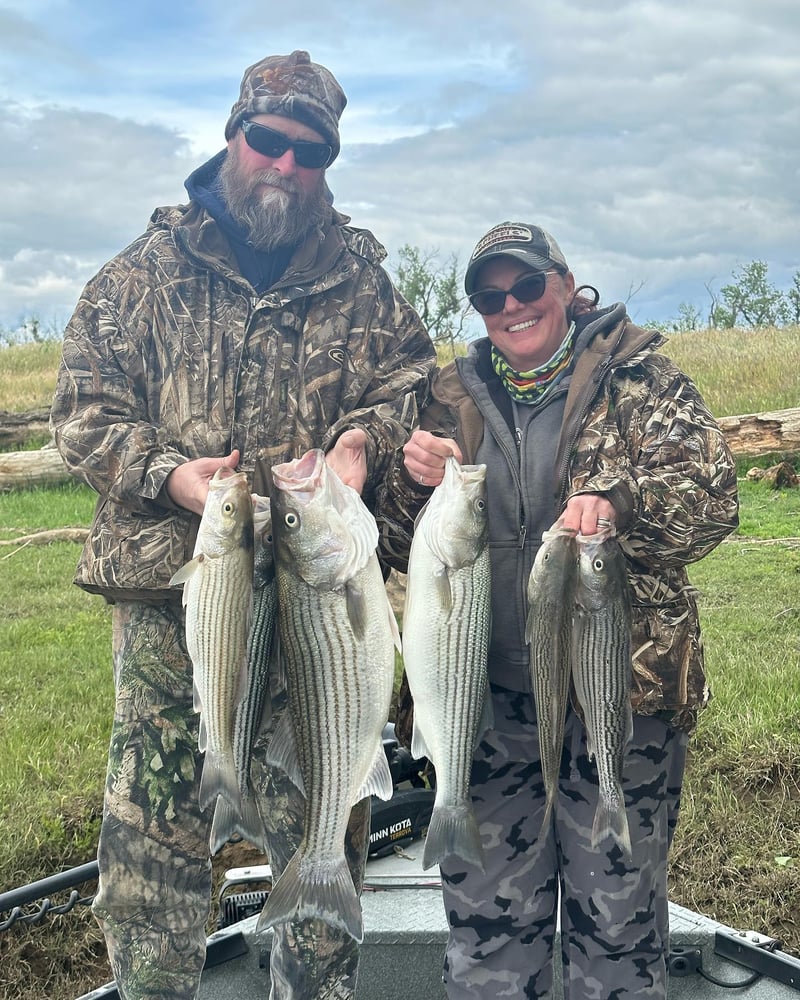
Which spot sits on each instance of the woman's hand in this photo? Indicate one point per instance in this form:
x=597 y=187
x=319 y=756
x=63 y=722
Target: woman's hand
x=424 y=456
x=588 y=513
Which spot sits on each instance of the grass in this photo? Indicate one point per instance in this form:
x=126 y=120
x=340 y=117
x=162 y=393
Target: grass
x=28 y=375
x=741 y=371
x=736 y=855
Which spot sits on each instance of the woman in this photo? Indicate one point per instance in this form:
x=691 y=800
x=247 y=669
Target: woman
x=578 y=417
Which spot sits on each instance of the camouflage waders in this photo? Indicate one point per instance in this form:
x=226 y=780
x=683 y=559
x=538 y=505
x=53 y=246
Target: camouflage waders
x=155 y=874
x=614 y=914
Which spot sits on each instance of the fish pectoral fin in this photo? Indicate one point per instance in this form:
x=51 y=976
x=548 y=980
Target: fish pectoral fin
x=357 y=613
x=444 y=592
x=379 y=779
x=282 y=752
x=187 y=571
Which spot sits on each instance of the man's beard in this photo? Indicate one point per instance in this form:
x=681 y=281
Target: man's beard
x=276 y=217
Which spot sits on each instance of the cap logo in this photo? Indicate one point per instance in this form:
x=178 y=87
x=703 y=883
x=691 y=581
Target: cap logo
x=503 y=234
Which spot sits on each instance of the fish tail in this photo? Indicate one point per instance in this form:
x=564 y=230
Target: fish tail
x=244 y=820
x=453 y=830
x=306 y=890
x=219 y=778
x=610 y=819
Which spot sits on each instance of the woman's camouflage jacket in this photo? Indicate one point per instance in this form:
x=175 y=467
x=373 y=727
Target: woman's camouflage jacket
x=171 y=355
x=636 y=429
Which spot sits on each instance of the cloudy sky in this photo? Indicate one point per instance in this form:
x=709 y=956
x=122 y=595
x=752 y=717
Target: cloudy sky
x=657 y=139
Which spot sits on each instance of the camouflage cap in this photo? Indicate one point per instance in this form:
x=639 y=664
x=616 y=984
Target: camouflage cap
x=531 y=244
x=294 y=87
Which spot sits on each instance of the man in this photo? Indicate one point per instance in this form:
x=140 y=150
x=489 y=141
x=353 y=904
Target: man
x=239 y=330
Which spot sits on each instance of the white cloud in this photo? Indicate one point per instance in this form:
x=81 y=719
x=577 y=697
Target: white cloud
x=657 y=139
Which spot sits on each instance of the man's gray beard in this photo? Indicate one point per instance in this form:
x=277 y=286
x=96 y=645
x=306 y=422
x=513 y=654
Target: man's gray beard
x=280 y=217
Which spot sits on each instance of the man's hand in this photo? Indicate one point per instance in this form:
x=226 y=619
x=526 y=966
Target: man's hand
x=348 y=458
x=187 y=484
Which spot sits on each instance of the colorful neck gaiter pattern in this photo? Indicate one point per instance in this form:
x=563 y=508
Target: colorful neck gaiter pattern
x=533 y=386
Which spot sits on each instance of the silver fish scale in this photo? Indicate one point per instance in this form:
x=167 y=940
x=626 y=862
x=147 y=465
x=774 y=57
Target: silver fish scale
x=220 y=646
x=602 y=682
x=334 y=697
x=551 y=590
x=459 y=691
x=602 y=675
x=251 y=709
x=446 y=627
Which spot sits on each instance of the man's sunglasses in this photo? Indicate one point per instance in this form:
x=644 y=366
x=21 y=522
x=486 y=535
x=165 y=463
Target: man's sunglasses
x=489 y=301
x=274 y=144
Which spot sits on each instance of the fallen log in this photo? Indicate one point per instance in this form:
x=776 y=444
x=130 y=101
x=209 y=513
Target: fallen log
x=749 y=435
x=17 y=429
x=755 y=434
x=26 y=469
x=46 y=537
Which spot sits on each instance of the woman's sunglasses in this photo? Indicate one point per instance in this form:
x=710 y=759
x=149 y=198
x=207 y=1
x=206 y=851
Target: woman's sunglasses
x=489 y=301
x=274 y=144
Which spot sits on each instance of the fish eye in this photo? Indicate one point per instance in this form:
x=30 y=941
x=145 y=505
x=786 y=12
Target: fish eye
x=480 y=505
x=598 y=564
x=227 y=507
x=291 y=520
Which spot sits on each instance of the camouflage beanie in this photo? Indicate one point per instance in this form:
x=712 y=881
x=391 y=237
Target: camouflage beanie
x=294 y=87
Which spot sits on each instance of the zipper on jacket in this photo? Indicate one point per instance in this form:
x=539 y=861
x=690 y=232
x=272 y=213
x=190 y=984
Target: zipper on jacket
x=563 y=471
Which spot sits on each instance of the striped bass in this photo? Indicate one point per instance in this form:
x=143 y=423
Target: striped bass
x=254 y=710
x=446 y=624
x=218 y=596
x=338 y=637
x=551 y=595
x=602 y=674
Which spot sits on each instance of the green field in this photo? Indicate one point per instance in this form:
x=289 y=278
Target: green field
x=736 y=855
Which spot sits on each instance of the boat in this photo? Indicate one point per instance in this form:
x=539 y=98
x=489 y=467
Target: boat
x=405 y=927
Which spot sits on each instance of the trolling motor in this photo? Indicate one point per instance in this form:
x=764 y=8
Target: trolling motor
x=406 y=815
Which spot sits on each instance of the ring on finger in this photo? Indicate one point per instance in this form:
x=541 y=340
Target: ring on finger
x=604 y=521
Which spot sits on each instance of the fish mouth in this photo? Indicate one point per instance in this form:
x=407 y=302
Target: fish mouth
x=224 y=476
x=301 y=477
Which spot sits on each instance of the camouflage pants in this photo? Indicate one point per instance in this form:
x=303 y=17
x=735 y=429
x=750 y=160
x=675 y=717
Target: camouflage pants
x=155 y=873
x=613 y=914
